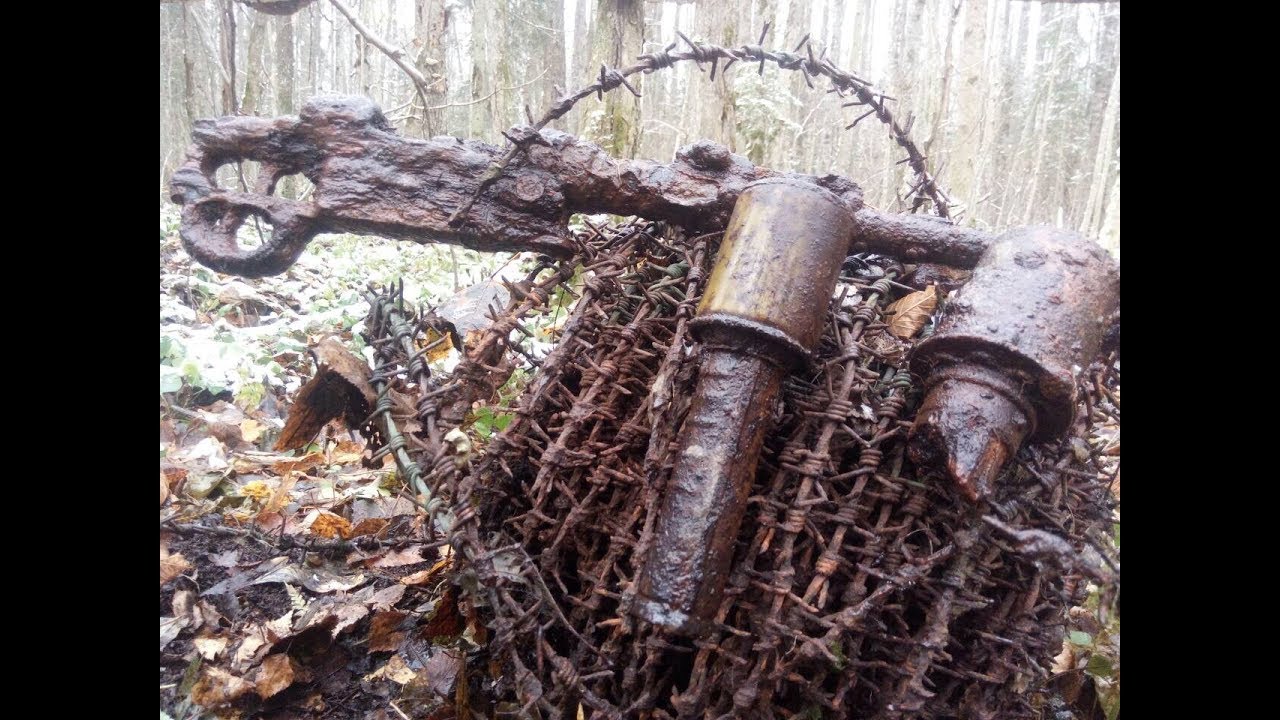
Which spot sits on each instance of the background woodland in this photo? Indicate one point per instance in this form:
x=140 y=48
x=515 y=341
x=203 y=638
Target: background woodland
x=1016 y=104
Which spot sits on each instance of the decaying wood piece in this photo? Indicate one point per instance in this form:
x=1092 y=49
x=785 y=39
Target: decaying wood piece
x=370 y=180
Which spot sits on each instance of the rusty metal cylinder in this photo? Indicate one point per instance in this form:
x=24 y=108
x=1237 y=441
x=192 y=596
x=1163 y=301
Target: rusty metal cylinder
x=777 y=268
x=1001 y=366
x=762 y=314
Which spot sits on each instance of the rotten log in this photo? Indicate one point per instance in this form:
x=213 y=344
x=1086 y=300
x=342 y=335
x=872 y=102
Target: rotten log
x=370 y=180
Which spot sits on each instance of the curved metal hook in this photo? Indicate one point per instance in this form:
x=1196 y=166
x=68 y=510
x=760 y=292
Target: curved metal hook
x=209 y=228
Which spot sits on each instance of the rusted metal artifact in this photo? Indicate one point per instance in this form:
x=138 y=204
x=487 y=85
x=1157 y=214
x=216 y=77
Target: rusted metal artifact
x=761 y=316
x=370 y=180
x=1000 y=366
x=824 y=576
x=859 y=588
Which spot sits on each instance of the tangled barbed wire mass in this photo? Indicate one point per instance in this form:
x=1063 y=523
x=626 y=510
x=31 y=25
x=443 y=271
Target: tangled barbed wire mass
x=862 y=586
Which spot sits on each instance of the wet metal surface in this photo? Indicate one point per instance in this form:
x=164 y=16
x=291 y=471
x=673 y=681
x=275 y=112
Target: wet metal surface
x=370 y=180
x=763 y=312
x=733 y=405
x=1002 y=362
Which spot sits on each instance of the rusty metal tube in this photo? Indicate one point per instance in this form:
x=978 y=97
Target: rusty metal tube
x=761 y=316
x=719 y=446
x=1000 y=368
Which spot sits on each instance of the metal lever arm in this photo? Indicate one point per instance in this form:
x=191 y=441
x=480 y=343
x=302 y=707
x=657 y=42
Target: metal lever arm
x=370 y=180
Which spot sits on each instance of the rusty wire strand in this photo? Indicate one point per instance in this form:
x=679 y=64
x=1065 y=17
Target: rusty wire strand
x=924 y=187
x=863 y=588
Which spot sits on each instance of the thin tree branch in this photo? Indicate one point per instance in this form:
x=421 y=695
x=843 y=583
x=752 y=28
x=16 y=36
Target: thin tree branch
x=396 y=54
x=495 y=92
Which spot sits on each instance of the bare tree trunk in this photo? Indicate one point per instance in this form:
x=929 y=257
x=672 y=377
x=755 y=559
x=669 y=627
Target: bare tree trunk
x=577 y=71
x=966 y=146
x=188 y=70
x=618 y=30
x=503 y=117
x=713 y=22
x=285 y=71
x=315 y=53
x=944 y=94
x=459 y=48
x=550 y=38
x=1020 y=91
x=430 y=25
x=1105 y=152
x=255 y=61
x=227 y=49
x=989 y=154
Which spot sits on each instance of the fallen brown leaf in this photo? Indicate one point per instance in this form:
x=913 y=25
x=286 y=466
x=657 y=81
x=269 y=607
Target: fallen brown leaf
x=411 y=555
x=438 y=680
x=383 y=631
x=251 y=430
x=341 y=615
x=423 y=577
x=911 y=312
x=387 y=597
x=446 y=621
x=227 y=559
x=210 y=647
x=234 y=583
x=170 y=627
x=395 y=670
x=302 y=464
x=329 y=525
x=164 y=488
x=278 y=569
x=276 y=673
x=250 y=649
x=281 y=496
x=171 y=566
x=219 y=687
x=346 y=452
x=174 y=476
x=369 y=526
x=224 y=422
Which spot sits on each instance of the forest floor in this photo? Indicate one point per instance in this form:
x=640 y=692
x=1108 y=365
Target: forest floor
x=297 y=584
x=292 y=584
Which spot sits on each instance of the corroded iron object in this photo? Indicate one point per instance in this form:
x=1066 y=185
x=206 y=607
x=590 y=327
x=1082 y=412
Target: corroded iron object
x=1000 y=367
x=763 y=312
x=778 y=266
x=370 y=180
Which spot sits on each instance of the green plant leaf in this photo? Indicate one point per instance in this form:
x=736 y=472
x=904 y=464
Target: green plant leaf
x=170 y=379
x=1099 y=666
x=1081 y=638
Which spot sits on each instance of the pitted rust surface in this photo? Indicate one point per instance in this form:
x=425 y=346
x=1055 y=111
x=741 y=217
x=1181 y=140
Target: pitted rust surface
x=733 y=407
x=372 y=181
x=779 y=262
x=971 y=424
x=1039 y=305
x=763 y=311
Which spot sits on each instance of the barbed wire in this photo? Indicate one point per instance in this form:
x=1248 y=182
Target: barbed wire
x=810 y=65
